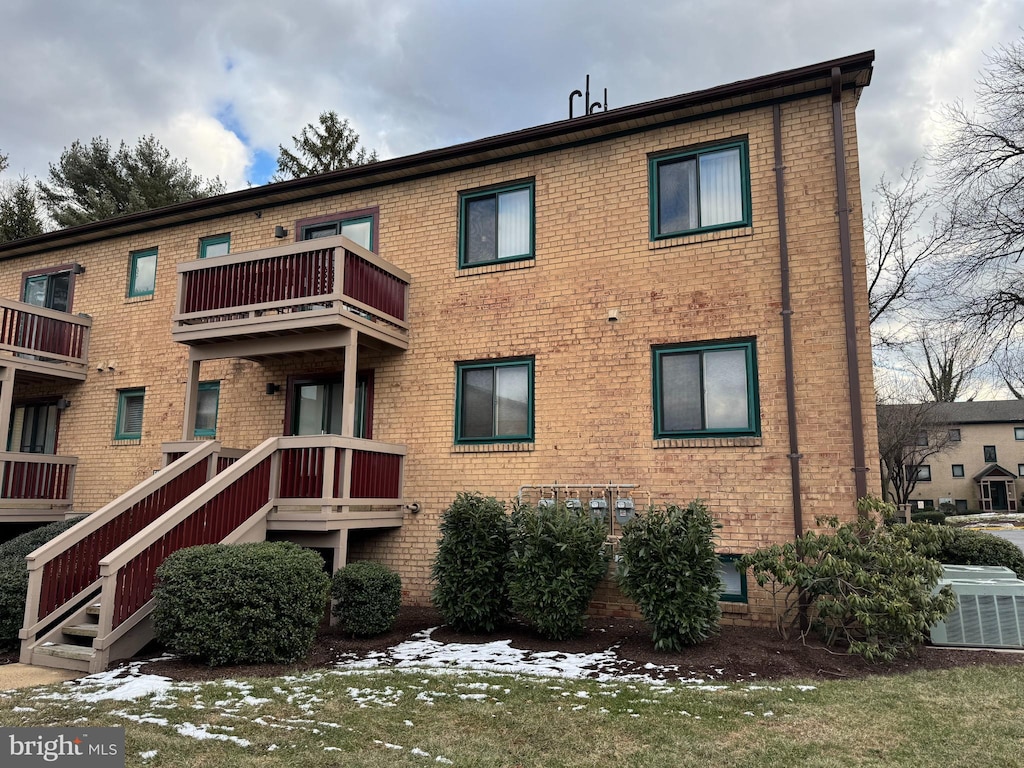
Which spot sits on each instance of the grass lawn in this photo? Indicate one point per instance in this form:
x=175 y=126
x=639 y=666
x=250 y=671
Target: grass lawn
x=387 y=717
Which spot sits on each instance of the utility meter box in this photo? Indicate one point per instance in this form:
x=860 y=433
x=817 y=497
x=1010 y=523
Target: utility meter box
x=598 y=508
x=574 y=504
x=624 y=511
x=545 y=503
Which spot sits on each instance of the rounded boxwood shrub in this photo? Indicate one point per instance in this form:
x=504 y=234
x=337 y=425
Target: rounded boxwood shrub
x=368 y=597
x=669 y=568
x=932 y=516
x=14 y=577
x=556 y=559
x=471 y=566
x=240 y=603
x=969 y=547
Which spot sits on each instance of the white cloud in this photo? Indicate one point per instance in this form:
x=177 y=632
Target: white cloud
x=210 y=148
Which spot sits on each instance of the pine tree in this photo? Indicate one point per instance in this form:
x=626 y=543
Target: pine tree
x=91 y=183
x=19 y=214
x=328 y=146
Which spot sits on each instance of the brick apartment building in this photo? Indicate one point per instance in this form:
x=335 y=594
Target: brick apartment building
x=657 y=303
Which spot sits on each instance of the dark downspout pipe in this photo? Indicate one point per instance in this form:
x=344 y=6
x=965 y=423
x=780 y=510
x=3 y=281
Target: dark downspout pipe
x=852 y=360
x=787 y=325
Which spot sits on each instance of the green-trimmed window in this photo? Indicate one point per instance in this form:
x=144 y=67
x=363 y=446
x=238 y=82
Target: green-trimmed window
x=496 y=225
x=494 y=402
x=358 y=230
x=734 y=581
x=218 y=245
x=706 y=390
x=142 y=275
x=129 y=414
x=206 y=409
x=699 y=190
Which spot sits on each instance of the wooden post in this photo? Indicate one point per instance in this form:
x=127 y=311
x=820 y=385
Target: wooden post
x=188 y=425
x=6 y=401
x=348 y=407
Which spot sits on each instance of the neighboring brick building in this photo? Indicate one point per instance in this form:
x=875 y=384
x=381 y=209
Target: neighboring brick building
x=601 y=303
x=981 y=458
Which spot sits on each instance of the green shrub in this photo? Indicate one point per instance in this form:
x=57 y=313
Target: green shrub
x=239 y=604
x=368 y=598
x=967 y=547
x=22 y=546
x=557 y=557
x=471 y=566
x=862 y=583
x=669 y=568
x=14 y=577
x=930 y=516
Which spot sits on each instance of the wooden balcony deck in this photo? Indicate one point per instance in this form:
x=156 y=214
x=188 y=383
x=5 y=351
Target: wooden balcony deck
x=40 y=342
x=35 y=487
x=277 y=300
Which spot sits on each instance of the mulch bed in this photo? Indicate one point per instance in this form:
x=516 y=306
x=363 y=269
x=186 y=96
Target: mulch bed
x=738 y=653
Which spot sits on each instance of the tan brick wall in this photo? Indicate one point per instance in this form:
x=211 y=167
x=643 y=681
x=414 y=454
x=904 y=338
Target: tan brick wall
x=593 y=401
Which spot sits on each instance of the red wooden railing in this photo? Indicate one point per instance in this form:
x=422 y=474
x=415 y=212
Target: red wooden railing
x=374 y=475
x=309 y=274
x=37 y=480
x=373 y=286
x=209 y=524
x=302 y=473
x=77 y=567
x=27 y=329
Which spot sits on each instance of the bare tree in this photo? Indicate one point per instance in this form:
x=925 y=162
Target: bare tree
x=908 y=435
x=905 y=233
x=983 y=178
x=947 y=360
x=1009 y=365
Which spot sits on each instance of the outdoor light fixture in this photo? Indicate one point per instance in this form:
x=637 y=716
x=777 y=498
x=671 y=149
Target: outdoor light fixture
x=77 y=269
x=63 y=405
x=272 y=388
x=280 y=232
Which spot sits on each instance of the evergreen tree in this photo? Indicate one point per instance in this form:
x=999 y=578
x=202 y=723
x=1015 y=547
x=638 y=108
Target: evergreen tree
x=328 y=146
x=19 y=215
x=91 y=183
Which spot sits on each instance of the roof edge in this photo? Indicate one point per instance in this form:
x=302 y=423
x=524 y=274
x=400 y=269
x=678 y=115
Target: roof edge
x=281 y=193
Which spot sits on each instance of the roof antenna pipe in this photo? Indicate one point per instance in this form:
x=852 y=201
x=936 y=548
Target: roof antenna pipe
x=587 y=105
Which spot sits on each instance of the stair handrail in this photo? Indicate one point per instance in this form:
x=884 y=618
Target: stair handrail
x=37 y=559
x=115 y=561
x=58 y=544
x=187 y=506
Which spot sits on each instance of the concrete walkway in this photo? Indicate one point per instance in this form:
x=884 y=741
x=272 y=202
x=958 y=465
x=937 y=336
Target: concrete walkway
x=29 y=676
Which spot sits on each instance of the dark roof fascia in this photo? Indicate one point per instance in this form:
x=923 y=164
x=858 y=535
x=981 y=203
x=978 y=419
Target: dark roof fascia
x=600 y=126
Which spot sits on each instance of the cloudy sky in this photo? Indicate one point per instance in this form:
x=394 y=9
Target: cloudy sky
x=223 y=82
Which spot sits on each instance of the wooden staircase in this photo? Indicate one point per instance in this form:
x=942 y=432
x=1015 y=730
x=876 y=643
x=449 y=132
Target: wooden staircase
x=90 y=593
x=78 y=652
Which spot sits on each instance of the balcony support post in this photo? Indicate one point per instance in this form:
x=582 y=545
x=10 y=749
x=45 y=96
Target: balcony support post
x=6 y=403
x=348 y=406
x=188 y=423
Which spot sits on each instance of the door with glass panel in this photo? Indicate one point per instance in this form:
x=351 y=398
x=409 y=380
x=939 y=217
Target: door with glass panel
x=51 y=291
x=317 y=407
x=33 y=428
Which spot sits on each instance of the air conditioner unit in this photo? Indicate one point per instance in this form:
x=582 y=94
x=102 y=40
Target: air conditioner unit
x=988 y=613
x=983 y=572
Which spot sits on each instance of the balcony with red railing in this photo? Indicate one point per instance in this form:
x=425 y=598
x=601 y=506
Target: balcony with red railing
x=291 y=291
x=35 y=487
x=43 y=341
